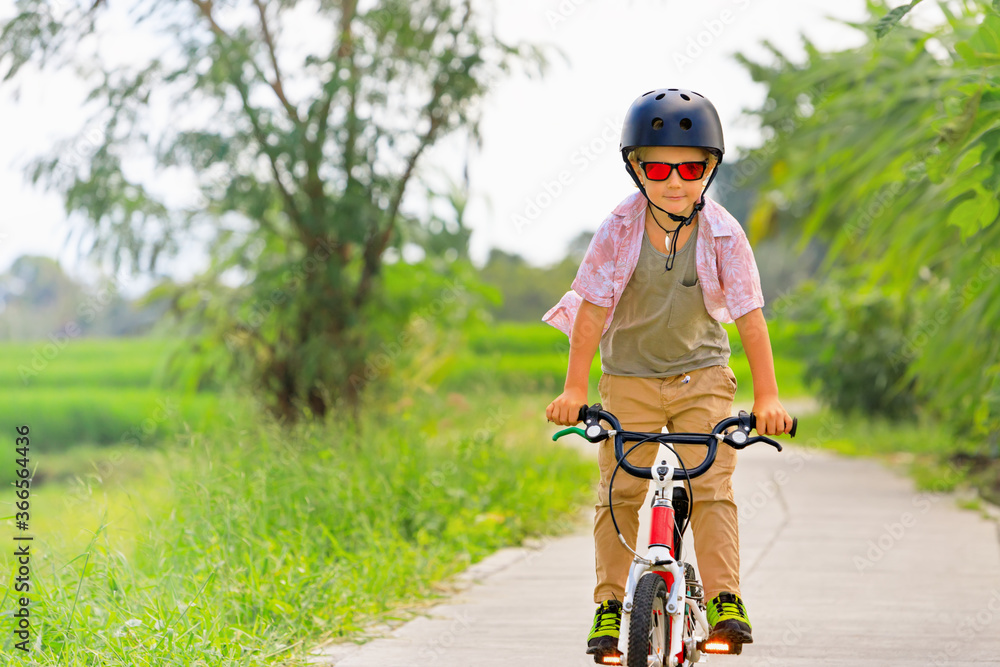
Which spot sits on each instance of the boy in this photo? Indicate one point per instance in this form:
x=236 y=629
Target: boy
x=653 y=298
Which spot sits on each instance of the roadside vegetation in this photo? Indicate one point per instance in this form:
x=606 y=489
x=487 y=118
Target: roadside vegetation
x=245 y=543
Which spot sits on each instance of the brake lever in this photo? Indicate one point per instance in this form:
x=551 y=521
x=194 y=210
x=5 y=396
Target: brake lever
x=588 y=415
x=740 y=438
x=763 y=438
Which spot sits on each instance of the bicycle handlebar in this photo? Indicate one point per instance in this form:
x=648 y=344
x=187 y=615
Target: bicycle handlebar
x=737 y=439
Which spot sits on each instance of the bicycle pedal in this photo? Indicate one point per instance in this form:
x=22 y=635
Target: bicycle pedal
x=609 y=659
x=720 y=646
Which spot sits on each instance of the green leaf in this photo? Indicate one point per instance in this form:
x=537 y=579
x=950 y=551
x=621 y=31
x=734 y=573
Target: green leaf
x=983 y=47
x=889 y=21
x=954 y=132
x=967 y=52
x=899 y=176
x=974 y=214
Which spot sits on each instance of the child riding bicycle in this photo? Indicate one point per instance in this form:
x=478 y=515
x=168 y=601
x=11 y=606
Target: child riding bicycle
x=652 y=299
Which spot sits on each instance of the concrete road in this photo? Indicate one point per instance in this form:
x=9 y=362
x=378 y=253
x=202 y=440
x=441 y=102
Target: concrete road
x=843 y=563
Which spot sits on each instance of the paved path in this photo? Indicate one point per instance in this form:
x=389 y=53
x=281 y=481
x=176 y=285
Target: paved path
x=843 y=563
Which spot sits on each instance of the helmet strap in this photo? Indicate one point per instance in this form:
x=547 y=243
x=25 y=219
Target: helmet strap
x=673 y=216
x=673 y=234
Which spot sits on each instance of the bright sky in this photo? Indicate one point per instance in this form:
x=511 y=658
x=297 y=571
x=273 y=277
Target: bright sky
x=549 y=167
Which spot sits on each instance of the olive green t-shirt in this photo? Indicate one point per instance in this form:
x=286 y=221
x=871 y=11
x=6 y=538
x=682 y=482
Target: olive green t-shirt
x=661 y=327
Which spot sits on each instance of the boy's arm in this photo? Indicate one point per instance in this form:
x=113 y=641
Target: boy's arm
x=583 y=343
x=772 y=418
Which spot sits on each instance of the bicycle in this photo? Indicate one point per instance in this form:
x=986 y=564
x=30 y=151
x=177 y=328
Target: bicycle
x=661 y=585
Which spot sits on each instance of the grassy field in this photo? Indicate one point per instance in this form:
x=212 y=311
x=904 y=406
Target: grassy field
x=94 y=406
x=96 y=392
x=240 y=543
x=245 y=543
x=117 y=362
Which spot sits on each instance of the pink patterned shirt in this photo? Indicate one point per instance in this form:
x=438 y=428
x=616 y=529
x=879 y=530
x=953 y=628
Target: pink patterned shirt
x=726 y=267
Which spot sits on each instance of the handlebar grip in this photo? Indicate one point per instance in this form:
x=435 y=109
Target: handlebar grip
x=582 y=415
x=571 y=429
x=753 y=423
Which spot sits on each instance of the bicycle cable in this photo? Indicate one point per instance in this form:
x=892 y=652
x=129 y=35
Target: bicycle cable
x=687 y=478
x=611 y=481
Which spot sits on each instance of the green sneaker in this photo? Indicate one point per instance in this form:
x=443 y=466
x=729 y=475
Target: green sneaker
x=603 y=638
x=728 y=619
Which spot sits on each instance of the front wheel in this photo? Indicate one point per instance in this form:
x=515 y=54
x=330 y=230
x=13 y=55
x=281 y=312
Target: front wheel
x=649 y=626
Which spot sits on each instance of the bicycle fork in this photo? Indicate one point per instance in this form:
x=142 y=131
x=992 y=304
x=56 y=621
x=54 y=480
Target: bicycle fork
x=660 y=560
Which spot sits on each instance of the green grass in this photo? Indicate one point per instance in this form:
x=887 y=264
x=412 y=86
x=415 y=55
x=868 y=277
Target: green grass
x=246 y=544
x=115 y=362
x=95 y=391
x=63 y=418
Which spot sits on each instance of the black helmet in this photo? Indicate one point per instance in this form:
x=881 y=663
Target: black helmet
x=672 y=117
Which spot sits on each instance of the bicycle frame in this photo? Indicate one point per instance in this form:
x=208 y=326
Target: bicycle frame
x=660 y=559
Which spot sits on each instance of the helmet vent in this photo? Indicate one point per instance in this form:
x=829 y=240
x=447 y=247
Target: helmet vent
x=699 y=95
x=685 y=124
x=661 y=96
x=685 y=97
x=672 y=89
x=658 y=123
x=652 y=91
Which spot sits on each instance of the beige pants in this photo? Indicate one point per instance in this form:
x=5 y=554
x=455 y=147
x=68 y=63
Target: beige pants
x=647 y=404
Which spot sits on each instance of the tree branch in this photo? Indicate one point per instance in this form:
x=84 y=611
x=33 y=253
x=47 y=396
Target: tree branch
x=343 y=50
x=378 y=241
x=259 y=134
x=346 y=37
x=276 y=85
x=206 y=9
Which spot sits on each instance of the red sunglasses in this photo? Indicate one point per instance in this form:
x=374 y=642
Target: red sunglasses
x=660 y=171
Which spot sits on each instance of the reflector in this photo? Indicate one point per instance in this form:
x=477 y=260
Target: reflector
x=717 y=646
x=721 y=646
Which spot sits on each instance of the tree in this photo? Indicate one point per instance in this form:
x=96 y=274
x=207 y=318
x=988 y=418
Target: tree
x=891 y=152
x=303 y=158
x=38 y=301
x=37 y=298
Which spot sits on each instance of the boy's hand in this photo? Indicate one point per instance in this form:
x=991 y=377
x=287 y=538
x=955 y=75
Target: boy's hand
x=566 y=408
x=772 y=418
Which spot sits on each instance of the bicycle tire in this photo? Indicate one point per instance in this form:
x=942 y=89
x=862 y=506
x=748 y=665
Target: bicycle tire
x=649 y=625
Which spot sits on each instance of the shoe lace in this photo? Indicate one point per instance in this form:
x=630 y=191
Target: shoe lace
x=727 y=608
x=608 y=617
